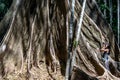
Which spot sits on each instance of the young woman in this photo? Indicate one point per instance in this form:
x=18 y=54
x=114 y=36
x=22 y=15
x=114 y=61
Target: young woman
x=106 y=51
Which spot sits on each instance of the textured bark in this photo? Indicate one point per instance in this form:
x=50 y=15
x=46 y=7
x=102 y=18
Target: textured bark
x=34 y=42
x=70 y=42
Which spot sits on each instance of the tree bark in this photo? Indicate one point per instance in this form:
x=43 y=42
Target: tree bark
x=35 y=35
x=71 y=30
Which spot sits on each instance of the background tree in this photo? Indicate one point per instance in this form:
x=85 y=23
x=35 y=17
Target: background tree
x=110 y=6
x=111 y=11
x=118 y=15
x=105 y=2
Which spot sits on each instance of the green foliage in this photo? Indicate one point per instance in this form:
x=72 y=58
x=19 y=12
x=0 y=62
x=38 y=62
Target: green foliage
x=4 y=6
x=75 y=43
x=103 y=7
x=114 y=14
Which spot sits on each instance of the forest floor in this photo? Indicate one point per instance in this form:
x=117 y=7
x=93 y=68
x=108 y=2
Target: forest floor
x=36 y=73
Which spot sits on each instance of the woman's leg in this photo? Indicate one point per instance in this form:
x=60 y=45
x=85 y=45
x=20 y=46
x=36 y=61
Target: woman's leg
x=106 y=56
x=106 y=61
x=107 y=64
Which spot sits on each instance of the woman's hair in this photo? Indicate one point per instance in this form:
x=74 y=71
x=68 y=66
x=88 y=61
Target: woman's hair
x=108 y=45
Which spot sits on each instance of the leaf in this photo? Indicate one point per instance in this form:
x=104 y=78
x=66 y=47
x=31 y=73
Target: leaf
x=2 y=7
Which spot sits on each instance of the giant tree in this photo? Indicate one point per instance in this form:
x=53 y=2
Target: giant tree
x=34 y=37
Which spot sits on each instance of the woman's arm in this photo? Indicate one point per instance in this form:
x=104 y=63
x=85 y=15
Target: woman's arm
x=107 y=50
x=102 y=49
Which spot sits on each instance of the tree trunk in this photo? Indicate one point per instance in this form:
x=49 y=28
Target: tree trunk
x=110 y=6
x=105 y=2
x=118 y=17
x=70 y=42
x=34 y=41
